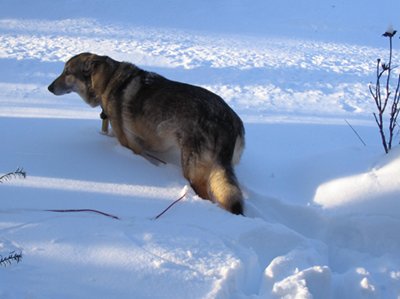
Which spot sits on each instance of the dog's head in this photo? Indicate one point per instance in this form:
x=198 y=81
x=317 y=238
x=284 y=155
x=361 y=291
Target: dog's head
x=86 y=75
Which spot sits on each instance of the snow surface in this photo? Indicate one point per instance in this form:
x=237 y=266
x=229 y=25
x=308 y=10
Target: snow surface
x=322 y=210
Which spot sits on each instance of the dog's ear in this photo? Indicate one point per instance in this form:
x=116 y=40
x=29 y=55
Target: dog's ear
x=88 y=67
x=90 y=64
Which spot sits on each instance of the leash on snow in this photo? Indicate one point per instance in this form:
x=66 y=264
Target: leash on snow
x=84 y=210
x=170 y=206
x=113 y=216
x=22 y=173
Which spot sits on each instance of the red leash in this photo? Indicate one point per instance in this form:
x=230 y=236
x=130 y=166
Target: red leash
x=84 y=210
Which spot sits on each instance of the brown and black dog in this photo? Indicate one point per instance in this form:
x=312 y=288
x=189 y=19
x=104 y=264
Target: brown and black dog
x=151 y=114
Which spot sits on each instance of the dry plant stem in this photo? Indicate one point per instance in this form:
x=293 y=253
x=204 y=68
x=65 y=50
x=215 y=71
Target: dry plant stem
x=376 y=94
x=355 y=132
x=382 y=100
x=8 y=176
x=394 y=113
x=12 y=257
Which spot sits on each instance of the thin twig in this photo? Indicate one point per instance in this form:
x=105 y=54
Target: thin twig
x=355 y=132
x=170 y=206
x=12 y=257
x=84 y=210
x=382 y=97
x=394 y=113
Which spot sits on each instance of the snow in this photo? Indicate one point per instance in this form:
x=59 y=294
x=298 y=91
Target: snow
x=322 y=210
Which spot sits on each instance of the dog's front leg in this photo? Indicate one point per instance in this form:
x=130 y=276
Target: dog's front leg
x=105 y=122
x=127 y=140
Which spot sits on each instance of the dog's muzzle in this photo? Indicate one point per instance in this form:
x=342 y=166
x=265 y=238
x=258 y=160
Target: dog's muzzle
x=51 y=87
x=56 y=89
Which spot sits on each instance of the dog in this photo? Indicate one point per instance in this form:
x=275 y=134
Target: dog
x=149 y=113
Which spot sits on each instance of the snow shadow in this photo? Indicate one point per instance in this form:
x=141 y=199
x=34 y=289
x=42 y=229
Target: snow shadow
x=74 y=150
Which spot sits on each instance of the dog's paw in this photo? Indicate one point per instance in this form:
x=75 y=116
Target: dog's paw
x=108 y=133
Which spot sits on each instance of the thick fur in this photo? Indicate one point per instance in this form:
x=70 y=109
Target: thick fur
x=151 y=114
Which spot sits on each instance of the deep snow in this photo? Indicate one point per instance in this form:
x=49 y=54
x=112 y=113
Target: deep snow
x=322 y=209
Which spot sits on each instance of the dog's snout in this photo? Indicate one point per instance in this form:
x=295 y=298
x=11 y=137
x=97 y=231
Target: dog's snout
x=51 y=87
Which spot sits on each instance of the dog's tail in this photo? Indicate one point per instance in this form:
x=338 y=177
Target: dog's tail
x=224 y=189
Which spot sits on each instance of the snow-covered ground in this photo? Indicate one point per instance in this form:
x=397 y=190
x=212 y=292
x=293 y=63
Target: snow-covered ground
x=322 y=210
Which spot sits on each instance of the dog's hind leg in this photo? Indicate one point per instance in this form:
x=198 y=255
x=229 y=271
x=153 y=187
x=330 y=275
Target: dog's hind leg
x=212 y=179
x=196 y=172
x=200 y=186
x=215 y=182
